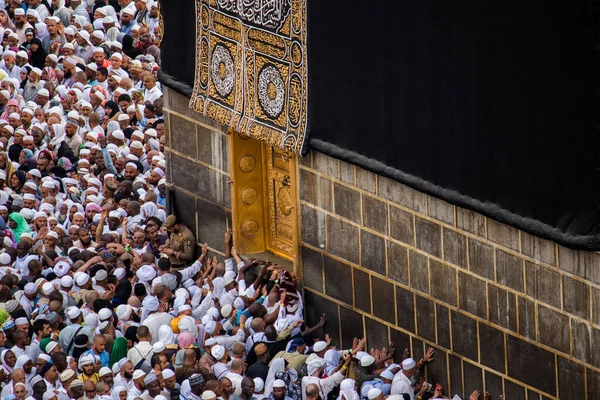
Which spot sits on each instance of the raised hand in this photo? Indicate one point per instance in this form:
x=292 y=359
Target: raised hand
x=474 y=395
x=429 y=355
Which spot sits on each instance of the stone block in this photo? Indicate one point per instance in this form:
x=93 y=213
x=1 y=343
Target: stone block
x=325 y=165
x=346 y=202
x=316 y=190
x=530 y=364
x=493 y=384
x=195 y=178
x=312 y=226
x=470 y=221
x=377 y=334
x=338 y=279
x=401 y=194
x=397 y=258
x=443 y=282
x=375 y=214
x=576 y=297
x=183 y=136
x=481 y=258
x=213 y=148
x=532 y=395
x=593 y=383
x=526 y=323
x=571 y=379
x=401 y=225
x=347 y=172
x=554 y=330
x=425 y=309
x=429 y=236
x=596 y=305
x=417 y=348
x=366 y=180
x=212 y=223
x=503 y=234
x=352 y=326
x=473 y=376
x=306 y=161
x=540 y=249
x=372 y=252
x=206 y=143
x=437 y=371
x=226 y=191
x=456 y=381
x=383 y=300
x=472 y=295
x=362 y=290
x=543 y=284
x=402 y=341
x=440 y=210
x=455 y=248
x=315 y=307
x=442 y=315
x=509 y=270
x=419 y=272
x=178 y=102
x=342 y=239
x=224 y=164
x=585 y=342
x=405 y=309
x=502 y=307
x=513 y=390
x=312 y=262
x=464 y=335
x=185 y=205
x=581 y=263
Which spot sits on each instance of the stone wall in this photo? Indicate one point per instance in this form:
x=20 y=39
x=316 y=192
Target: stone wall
x=506 y=312
x=197 y=155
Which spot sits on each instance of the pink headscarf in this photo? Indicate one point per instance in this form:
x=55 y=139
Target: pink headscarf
x=93 y=207
x=185 y=339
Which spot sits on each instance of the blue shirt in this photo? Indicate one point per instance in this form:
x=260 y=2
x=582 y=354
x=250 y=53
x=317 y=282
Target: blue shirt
x=104 y=357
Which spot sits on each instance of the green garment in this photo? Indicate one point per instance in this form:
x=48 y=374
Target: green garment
x=43 y=343
x=22 y=225
x=119 y=351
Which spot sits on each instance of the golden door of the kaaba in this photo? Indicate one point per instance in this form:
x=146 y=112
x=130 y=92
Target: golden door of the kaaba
x=264 y=190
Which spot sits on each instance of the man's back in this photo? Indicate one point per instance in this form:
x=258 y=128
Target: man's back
x=142 y=350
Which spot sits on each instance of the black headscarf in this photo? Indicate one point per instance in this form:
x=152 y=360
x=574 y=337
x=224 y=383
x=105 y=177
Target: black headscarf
x=38 y=57
x=113 y=106
x=128 y=48
x=22 y=179
x=24 y=81
x=123 y=291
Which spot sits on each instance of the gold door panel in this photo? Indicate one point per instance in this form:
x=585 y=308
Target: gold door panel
x=264 y=197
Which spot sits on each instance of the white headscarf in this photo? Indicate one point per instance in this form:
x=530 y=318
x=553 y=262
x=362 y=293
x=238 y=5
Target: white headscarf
x=277 y=365
x=149 y=305
x=332 y=358
x=347 y=391
x=165 y=334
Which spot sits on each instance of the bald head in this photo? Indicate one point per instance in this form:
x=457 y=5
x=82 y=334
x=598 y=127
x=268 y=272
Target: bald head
x=18 y=376
x=89 y=386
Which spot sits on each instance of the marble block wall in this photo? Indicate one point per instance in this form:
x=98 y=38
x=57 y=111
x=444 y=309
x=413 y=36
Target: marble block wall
x=197 y=155
x=507 y=312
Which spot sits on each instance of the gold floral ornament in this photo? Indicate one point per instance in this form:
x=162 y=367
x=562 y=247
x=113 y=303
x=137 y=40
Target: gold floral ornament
x=251 y=68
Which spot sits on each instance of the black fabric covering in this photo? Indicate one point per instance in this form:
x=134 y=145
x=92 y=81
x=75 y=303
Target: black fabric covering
x=178 y=47
x=489 y=105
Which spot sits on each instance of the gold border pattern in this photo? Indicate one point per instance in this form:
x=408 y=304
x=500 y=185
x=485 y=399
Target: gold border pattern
x=251 y=68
